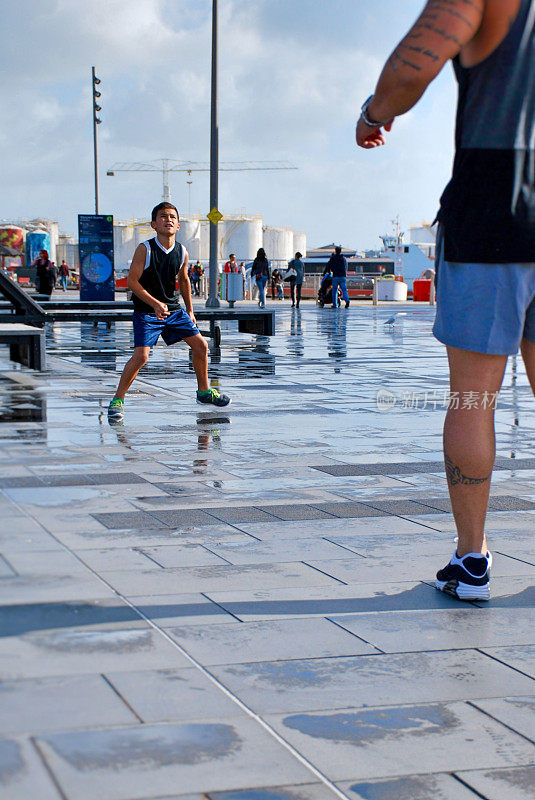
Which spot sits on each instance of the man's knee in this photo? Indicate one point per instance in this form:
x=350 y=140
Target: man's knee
x=140 y=358
x=199 y=345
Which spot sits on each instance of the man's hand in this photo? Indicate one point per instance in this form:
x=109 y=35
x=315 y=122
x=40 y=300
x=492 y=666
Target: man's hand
x=191 y=315
x=160 y=309
x=371 y=137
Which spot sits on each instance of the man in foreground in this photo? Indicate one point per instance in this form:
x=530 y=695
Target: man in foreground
x=486 y=241
x=152 y=279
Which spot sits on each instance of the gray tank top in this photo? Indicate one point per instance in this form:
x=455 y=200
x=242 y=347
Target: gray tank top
x=488 y=208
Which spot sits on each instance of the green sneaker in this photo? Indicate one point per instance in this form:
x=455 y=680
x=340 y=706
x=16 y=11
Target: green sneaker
x=116 y=409
x=213 y=397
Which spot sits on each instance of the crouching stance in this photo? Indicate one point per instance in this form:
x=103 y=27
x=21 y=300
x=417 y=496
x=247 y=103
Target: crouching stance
x=157 y=312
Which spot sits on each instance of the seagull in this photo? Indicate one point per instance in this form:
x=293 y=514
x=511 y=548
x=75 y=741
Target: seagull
x=394 y=318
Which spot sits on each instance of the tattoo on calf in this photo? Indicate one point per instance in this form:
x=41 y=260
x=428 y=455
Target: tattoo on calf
x=456 y=477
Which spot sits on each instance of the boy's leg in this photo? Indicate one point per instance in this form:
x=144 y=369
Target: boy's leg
x=139 y=358
x=199 y=352
x=527 y=348
x=469 y=442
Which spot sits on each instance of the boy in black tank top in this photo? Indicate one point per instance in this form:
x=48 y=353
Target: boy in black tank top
x=152 y=279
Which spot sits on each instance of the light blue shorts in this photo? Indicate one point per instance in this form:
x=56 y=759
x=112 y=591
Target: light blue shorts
x=485 y=308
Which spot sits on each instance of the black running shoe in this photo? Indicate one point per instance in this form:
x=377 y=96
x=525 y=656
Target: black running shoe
x=466 y=578
x=213 y=397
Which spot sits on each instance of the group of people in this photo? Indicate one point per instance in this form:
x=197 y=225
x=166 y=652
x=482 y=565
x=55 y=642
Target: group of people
x=47 y=274
x=261 y=273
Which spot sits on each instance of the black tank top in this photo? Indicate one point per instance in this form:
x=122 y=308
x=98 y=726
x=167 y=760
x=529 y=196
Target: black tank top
x=159 y=276
x=488 y=208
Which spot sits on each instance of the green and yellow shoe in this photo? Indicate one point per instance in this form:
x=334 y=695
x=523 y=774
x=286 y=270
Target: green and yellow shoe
x=116 y=409
x=213 y=397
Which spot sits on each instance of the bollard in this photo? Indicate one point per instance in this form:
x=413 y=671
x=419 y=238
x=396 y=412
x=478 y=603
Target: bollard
x=374 y=296
x=432 y=294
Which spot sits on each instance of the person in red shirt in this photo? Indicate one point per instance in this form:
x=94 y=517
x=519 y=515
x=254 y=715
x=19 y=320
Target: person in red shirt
x=232 y=264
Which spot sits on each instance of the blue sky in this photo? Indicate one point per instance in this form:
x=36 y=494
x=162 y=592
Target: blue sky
x=293 y=74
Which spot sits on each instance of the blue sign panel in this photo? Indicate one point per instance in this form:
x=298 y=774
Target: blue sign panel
x=95 y=241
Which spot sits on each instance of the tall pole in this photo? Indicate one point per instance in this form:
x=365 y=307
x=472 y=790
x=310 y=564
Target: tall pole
x=96 y=121
x=213 y=300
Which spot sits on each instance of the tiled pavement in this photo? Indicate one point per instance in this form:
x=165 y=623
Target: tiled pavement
x=238 y=605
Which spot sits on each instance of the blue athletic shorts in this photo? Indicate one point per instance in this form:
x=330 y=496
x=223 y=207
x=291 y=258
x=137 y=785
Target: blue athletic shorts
x=174 y=328
x=485 y=308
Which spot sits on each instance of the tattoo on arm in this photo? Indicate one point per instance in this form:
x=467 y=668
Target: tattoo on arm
x=412 y=53
x=456 y=477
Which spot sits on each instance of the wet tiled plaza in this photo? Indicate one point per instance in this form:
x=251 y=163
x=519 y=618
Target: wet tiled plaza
x=238 y=604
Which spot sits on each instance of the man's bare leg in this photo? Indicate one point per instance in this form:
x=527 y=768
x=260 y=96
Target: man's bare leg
x=139 y=358
x=469 y=443
x=199 y=351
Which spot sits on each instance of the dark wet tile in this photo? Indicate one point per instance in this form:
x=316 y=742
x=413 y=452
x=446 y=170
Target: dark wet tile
x=398 y=507
x=498 y=784
x=139 y=520
x=104 y=479
x=21 y=482
x=234 y=514
x=389 y=468
x=349 y=510
x=149 y=760
x=296 y=511
x=507 y=503
x=182 y=518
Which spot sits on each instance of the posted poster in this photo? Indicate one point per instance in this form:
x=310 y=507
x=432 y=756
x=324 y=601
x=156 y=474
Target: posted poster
x=95 y=237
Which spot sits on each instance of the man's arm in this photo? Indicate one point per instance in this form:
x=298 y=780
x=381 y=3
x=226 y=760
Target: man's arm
x=185 y=288
x=442 y=29
x=134 y=274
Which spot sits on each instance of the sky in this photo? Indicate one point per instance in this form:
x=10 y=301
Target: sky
x=293 y=75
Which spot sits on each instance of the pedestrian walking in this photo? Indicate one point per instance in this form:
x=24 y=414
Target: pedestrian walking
x=337 y=265
x=276 y=284
x=260 y=272
x=152 y=280
x=198 y=272
x=64 y=274
x=486 y=241
x=296 y=281
x=46 y=274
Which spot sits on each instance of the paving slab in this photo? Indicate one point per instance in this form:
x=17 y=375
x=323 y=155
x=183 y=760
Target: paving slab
x=173 y=695
x=520 y=657
x=216 y=577
x=239 y=642
x=497 y=784
x=314 y=791
x=137 y=762
x=331 y=600
x=442 y=628
x=52 y=704
x=22 y=773
x=277 y=686
x=409 y=787
x=355 y=745
x=72 y=652
x=518 y=713
x=170 y=610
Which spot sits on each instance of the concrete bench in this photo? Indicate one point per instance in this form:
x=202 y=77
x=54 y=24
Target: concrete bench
x=26 y=344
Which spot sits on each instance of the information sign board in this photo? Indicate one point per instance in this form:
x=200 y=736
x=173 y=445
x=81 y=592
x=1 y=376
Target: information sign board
x=95 y=241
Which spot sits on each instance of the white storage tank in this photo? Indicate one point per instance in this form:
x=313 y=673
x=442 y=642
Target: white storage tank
x=242 y=237
x=278 y=243
x=189 y=234
x=123 y=245
x=300 y=243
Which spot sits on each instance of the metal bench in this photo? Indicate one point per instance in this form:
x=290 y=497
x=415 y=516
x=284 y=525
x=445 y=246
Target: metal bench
x=26 y=344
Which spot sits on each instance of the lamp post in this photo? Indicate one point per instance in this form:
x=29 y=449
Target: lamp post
x=213 y=301
x=96 y=121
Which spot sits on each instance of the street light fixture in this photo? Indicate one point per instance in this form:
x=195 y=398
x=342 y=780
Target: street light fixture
x=96 y=121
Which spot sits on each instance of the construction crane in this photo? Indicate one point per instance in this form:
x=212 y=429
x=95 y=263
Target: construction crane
x=167 y=165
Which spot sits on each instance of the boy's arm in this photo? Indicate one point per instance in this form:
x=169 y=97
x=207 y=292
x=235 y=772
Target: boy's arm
x=134 y=274
x=185 y=288
x=438 y=35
